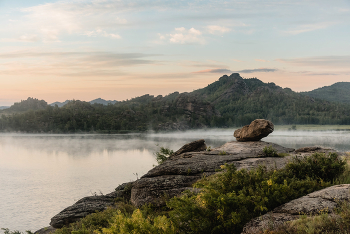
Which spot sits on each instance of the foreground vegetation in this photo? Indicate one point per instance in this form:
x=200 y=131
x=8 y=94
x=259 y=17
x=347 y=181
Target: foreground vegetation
x=224 y=202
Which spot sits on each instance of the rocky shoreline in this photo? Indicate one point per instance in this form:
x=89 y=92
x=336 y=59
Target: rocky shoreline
x=189 y=164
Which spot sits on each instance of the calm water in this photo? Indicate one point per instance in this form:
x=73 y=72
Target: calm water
x=41 y=174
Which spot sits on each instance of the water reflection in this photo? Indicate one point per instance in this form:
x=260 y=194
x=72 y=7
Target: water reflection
x=84 y=145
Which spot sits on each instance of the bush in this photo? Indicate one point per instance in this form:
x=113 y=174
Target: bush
x=318 y=166
x=230 y=199
x=138 y=224
x=8 y=231
x=270 y=152
x=97 y=221
x=163 y=154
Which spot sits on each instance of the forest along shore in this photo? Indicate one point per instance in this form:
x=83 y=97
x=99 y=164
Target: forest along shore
x=228 y=102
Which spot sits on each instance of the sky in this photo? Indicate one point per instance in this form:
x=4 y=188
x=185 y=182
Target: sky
x=120 y=49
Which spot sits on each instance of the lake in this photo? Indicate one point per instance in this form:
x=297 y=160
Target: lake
x=41 y=174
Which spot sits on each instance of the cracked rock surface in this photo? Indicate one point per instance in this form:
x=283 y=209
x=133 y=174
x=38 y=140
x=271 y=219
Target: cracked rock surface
x=325 y=200
x=182 y=170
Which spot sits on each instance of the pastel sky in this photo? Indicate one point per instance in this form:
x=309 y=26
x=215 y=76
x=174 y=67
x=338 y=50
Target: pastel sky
x=119 y=49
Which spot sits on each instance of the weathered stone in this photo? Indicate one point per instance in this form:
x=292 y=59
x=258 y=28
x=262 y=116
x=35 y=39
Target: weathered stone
x=89 y=205
x=269 y=220
x=308 y=149
x=325 y=200
x=178 y=174
x=194 y=146
x=46 y=230
x=257 y=130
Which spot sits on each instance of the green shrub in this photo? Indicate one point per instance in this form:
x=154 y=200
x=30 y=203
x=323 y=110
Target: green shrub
x=270 y=152
x=230 y=199
x=139 y=224
x=163 y=154
x=8 y=231
x=318 y=166
x=222 y=152
x=97 y=221
x=344 y=178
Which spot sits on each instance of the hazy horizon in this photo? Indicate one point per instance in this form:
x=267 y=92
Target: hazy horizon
x=59 y=50
x=64 y=100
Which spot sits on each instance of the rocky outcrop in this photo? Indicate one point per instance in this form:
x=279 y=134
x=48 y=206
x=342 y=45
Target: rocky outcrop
x=257 y=130
x=178 y=173
x=88 y=205
x=194 y=146
x=325 y=200
x=46 y=230
x=181 y=170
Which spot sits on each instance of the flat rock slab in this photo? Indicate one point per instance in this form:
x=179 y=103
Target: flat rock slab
x=178 y=174
x=325 y=200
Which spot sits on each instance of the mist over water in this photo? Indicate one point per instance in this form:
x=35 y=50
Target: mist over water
x=41 y=174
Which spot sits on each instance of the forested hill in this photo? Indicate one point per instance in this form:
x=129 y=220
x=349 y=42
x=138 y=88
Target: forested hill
x=240 y=101
x=25 y=105
x=228 y=102
x=338 y=92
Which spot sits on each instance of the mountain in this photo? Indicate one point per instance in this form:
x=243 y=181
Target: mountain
x=338 y=92
x=97 y=101
x=26 y=105
x=102 y=101
x=228 y=102
x=3 y=107
x=60 y=104
x=240 y=101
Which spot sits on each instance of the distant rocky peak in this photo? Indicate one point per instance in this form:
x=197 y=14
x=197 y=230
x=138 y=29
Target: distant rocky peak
x=233 y=76
x=236 y=76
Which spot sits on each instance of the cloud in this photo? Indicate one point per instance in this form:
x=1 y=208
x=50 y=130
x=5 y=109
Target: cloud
x=29 y=38
x=257 y=70
x=319 y=61
x=309 y=27
x=218 y=70
x=100 y=32
x=311 y=73
x=72 y=17
x=72 y=64
x=183 y=36
x=215 y=29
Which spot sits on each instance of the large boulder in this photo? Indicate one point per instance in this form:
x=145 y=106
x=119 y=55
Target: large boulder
x=89 y=205
x=325 y=200
x=255 y=131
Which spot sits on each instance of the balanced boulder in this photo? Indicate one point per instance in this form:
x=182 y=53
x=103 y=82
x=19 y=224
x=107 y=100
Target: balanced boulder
x=255 y=131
